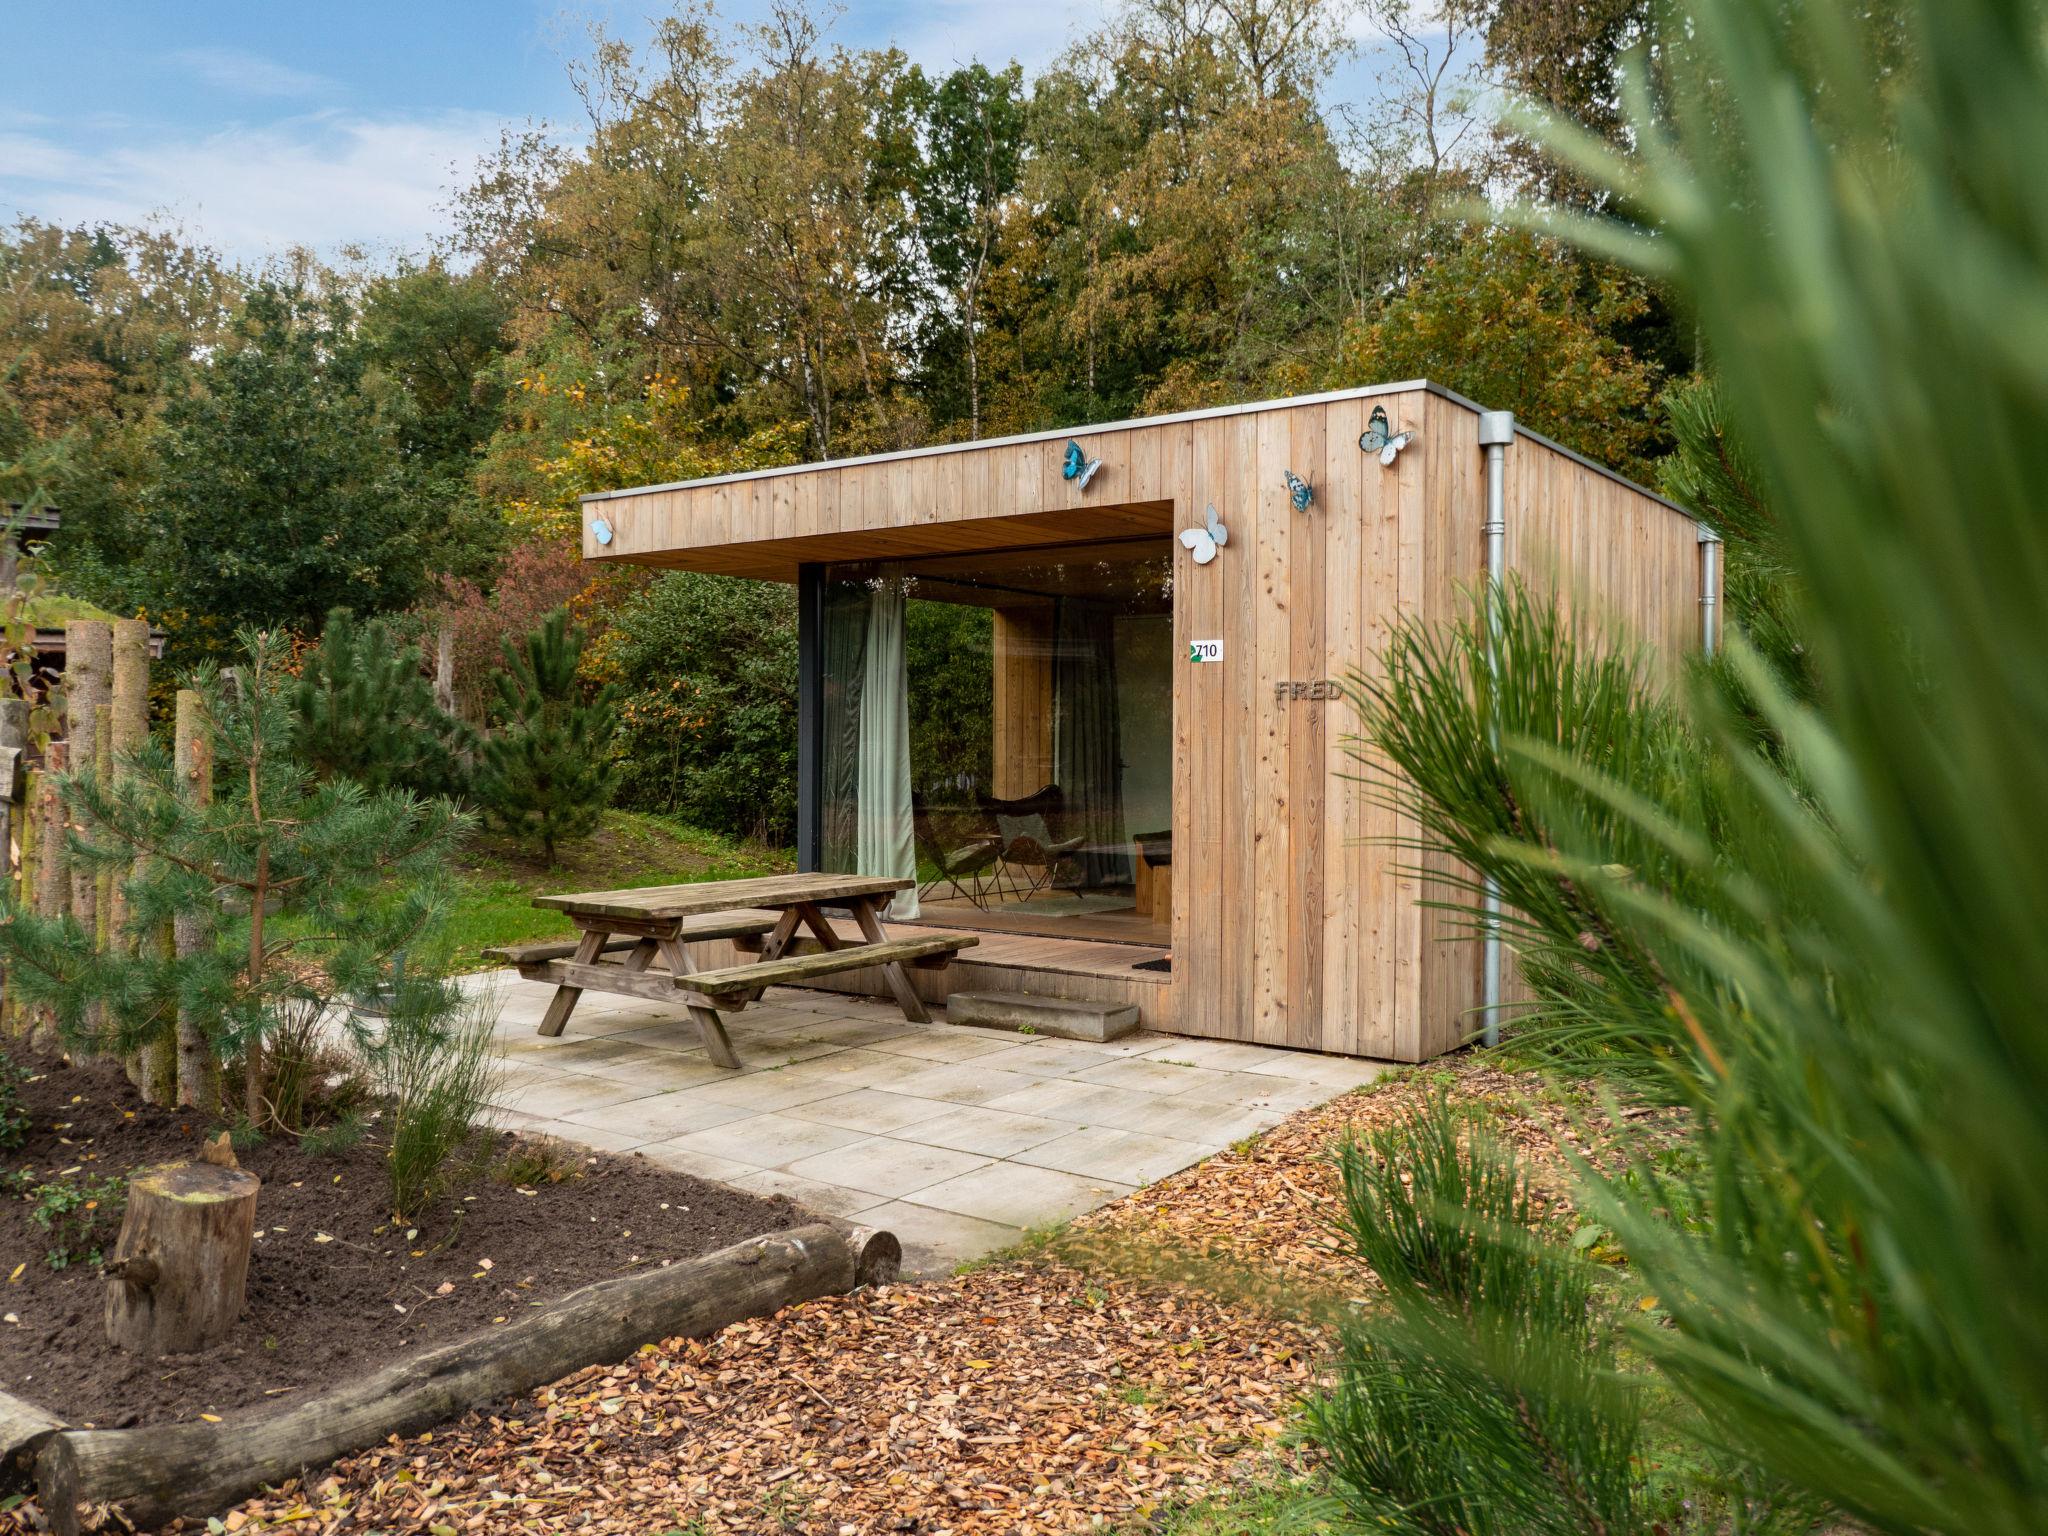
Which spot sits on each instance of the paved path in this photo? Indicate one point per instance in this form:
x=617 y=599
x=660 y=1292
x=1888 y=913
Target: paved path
x=955 y=1139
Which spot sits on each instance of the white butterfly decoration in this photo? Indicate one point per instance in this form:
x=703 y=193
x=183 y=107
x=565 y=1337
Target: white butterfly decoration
x=1204 y=542
x=1379 y=436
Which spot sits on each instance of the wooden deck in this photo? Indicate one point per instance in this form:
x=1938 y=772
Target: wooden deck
x=1004 y=962
x=1126 y=925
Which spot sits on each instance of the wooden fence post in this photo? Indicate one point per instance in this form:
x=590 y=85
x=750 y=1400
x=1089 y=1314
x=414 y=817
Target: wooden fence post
x=53 y=890
x=13 y=827
x=198 y=1067
x=88 y=658
x=153 y=1066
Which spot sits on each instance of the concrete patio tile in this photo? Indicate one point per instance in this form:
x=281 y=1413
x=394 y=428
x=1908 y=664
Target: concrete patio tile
x=1214 y=1126
x=987 y=1132
x=1340 y=1072
x=1129 y=1157
x=945 y=1043
x=658 y=1071
x=1143 y=1043
x=1128 y=1109
x=561 y=1050
x=1256 y=1090
x=766 y=1141
x=873 y=1110
x=596 y=1137
x=1077 y=1103
x=889 y=1168
x=1219 y=1055
x=935 y=1241
x=958 y=1083
x=826 y=1199
x=866 y=1032
x=703 y=1165
x=1062 y=1060
x=565 y=1094
x=764 y=1091
x=857 y=1067
x=778 y=1050
x=1149 y=1074
x=662 y=1117
x=1019 y=1196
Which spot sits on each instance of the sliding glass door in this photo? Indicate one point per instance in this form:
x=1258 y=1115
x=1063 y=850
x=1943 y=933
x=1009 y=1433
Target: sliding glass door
x=1000 y=724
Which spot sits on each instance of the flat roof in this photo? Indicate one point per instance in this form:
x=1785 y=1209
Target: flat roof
x=1408 y=386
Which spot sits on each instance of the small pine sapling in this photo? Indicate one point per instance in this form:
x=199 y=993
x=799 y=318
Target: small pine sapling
x=363 y=708
x=549 y=771
x=294 y=891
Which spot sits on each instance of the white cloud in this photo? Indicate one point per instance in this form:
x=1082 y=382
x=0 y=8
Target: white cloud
x=944 y=34
x=249 y=74
x=252 y=191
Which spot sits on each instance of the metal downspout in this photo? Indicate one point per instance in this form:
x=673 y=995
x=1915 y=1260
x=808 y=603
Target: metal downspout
x=1496 y=431
x=1710 y=588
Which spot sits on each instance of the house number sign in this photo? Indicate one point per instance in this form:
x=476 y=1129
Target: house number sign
x=1317 y=689
x=1205 y=650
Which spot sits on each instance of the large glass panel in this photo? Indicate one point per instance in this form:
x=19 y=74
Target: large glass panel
x=1031 y=691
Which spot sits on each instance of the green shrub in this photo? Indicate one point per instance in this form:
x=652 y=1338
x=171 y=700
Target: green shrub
x=435 y=1068
x=345 y=1131
x=1835 y=927
x=1481 y=1401
x=82 y=1216
x=706 y=670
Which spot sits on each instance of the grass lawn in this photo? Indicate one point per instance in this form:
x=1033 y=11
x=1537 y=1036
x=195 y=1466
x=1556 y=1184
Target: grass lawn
x=498 y=879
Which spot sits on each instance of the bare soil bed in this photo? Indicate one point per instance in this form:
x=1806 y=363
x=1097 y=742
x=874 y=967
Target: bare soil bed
x=335 y=1289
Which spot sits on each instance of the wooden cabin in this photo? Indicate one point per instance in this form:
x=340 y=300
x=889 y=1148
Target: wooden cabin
x=1159 y=806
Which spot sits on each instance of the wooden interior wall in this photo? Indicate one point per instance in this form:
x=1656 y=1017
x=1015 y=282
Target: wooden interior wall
x=1295 y=921
x=1022 y=747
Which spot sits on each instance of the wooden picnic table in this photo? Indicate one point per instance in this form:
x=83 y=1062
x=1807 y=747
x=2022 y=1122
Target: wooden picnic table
x=654 y=924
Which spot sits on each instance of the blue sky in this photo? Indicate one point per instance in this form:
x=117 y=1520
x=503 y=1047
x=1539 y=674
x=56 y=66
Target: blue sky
x=261 y=125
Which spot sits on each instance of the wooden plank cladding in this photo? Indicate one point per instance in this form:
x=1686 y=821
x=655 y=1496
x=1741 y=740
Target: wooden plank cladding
x=1296 y=919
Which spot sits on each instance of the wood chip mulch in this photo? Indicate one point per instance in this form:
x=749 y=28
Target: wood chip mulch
x=1077 y=1391
x=1257 y=1220
x=1013 y=1399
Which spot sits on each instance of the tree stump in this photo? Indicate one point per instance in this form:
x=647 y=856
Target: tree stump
x=181 y=1265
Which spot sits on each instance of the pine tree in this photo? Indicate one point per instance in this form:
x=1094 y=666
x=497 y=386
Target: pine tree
x=549 y=772
x=363 y=708
x=296 y=891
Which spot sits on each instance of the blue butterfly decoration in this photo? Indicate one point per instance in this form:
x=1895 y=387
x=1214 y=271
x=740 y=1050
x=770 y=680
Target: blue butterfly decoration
x=1380 y=437
x=602 y=530
x=1299 y=492
x=1078 y=466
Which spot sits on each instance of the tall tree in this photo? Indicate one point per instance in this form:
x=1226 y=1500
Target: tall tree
x=281 y=494
x=94 y=326
x=974 y=123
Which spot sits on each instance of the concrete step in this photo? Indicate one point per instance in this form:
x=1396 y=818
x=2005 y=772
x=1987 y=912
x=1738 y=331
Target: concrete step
x=1070 y=1018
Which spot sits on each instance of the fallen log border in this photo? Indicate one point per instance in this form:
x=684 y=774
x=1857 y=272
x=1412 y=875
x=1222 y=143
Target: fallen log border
x=151 y=1474
x=23 y=1429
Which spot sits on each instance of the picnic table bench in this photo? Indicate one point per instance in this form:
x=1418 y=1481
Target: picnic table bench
x=763 y=914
